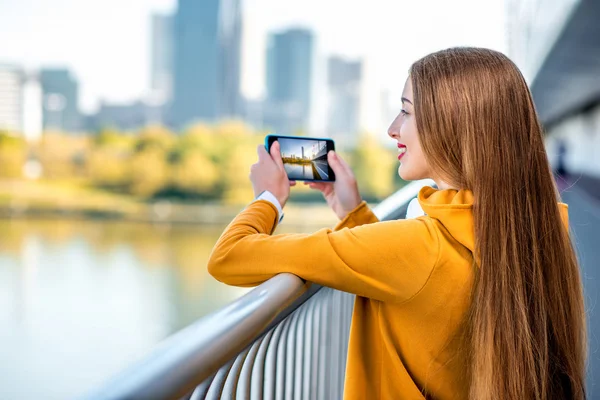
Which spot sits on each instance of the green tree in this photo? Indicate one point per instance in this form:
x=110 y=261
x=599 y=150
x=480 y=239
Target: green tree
x=148 y=172
x=61 y=155
x=374 y=167
x=13 y=154
x=155 y=137
x=108 y=168
x=201 y=138
x=107 y=162
x=114 y=139
x=237 y=188
x=232 y=128
x=195 y=173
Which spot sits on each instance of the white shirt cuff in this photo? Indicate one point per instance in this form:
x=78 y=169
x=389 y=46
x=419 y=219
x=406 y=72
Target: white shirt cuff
x=268 y=196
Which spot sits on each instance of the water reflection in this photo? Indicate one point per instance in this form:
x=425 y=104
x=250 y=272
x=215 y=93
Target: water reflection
x=308 y=171
x=79 y=301
x=299 y=171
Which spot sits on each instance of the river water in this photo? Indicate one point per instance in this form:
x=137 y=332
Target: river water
x=81 y=301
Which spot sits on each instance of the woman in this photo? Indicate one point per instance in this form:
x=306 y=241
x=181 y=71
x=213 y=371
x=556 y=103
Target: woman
x=480 y=298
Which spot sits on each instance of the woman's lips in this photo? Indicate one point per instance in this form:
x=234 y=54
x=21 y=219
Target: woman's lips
x=402 y=150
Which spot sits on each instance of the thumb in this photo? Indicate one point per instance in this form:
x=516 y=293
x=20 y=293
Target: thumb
x=335 y=163
x=276 y=155
x=262 y=152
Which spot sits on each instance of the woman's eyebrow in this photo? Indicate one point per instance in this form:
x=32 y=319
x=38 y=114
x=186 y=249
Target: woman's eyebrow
x=404 y=99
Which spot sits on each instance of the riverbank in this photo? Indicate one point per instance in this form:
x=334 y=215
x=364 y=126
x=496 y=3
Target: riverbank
x=70 y=200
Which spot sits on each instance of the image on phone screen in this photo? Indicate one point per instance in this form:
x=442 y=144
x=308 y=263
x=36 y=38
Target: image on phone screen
x=306 y=159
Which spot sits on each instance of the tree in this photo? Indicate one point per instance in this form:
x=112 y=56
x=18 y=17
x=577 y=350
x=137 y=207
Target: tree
x=108 y=168
x=195 y=173
x=155 y=137
x=374 y=167
x=148 y=172
x=13 y=154
x=237 y=187
x=61 y=155
x=113 y=139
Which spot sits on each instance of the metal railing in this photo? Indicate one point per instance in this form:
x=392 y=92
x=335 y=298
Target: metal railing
x=303 y=357
x=285 y=339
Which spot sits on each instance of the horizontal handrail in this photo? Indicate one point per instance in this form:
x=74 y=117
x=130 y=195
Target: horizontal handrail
x=193 y=354
x=206 y=350
x=302 y=357
x=394 y=206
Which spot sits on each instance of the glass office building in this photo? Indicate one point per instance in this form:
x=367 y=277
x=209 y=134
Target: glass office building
x=206 y=69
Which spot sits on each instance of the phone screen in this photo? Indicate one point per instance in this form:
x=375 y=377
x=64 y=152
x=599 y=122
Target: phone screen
x=304 y=159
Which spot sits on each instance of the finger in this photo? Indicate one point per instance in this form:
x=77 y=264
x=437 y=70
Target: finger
x=335 y=164
x=344 y=164
x=321 y=186
x=317 y=185
x=262 y=153
x=276 y=155
x=292 y=183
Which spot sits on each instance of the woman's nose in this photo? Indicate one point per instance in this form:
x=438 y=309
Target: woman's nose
x=393 y=131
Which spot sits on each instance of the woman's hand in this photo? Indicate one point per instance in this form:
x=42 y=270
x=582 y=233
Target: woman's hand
x=269 y=174
x=341 y=195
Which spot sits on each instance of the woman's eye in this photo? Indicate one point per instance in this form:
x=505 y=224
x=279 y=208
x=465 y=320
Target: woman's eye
x=403 y=112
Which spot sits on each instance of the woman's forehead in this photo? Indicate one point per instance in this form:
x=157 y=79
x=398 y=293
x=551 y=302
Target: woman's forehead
x=407 y=91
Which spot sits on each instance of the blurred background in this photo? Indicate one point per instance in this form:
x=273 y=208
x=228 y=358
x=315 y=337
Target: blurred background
x=127 y=130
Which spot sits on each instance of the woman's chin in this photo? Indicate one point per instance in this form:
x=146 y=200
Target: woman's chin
x=404 y=174
x=415 y=173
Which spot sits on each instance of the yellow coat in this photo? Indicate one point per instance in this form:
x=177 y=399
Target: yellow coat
x=412 y=278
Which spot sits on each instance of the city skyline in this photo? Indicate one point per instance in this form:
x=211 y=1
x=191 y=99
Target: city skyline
x=161 y=54
x=293 y=147
x=206 y=61
x=111 y=61
x=290 y=79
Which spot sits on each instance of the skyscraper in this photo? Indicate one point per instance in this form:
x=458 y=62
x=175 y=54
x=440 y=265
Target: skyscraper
x=344 y=81
x=289 y=78
x=161 y=73
x=252 y=65
x=230 y=36
x=206 y=60
x=32 y=106
x=11 y=98
x=60 y=100
x=124 y=116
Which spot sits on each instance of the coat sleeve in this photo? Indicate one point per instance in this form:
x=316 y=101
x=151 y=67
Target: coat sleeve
x=387 y=261
x=361 y=215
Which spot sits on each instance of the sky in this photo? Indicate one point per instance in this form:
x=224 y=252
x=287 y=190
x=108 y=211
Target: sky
x=291 y=147
x=106 y=43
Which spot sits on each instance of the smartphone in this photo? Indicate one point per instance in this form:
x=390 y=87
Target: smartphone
x=304 y=158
